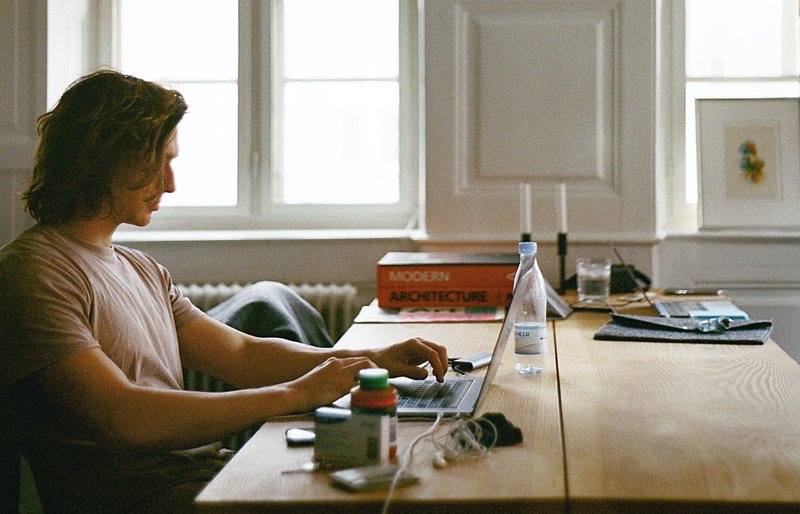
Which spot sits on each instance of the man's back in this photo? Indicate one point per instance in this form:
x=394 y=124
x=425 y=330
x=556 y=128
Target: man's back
x=62 y=296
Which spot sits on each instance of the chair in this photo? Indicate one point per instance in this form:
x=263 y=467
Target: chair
x=10 y=460
x=18 y=492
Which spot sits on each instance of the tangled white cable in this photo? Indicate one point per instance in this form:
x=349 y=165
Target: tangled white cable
x=405 y=460
x=463 y=439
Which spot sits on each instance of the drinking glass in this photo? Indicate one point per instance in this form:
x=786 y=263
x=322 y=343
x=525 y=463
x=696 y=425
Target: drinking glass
x=594 y=279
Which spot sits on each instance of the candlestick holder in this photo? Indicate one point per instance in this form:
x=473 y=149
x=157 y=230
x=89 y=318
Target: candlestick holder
x=562 y=254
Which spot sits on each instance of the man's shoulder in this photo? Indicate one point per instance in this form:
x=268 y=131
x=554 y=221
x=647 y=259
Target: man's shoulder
x=29 y=244
x=39 y=239
x=133 y=254
x=41 y=254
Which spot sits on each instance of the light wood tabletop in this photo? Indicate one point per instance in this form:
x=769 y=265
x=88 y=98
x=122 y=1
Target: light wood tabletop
x=615 y=427
x=529 y=475
x=677 y=426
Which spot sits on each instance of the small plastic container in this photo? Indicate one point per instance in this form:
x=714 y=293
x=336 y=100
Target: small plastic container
x=373 y=396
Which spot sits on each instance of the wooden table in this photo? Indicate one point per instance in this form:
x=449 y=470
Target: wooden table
x=511 y=479
x=616 y=427
x=677 y=427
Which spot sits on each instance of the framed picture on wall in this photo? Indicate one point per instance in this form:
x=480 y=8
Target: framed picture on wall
x=748 y=163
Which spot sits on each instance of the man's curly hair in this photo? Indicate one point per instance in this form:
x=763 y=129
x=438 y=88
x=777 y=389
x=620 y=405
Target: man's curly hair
x=107 y=129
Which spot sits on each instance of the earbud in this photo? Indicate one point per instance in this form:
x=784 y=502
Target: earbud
x=439 y=460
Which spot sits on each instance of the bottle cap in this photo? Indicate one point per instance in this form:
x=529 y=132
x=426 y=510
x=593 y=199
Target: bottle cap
x=527 y=247
x=373 y=378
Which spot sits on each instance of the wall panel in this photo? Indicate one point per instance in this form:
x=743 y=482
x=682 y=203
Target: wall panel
x=536 y=92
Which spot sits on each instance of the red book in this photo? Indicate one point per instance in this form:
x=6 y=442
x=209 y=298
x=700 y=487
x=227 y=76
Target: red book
x=459 y=297
x=438 y=279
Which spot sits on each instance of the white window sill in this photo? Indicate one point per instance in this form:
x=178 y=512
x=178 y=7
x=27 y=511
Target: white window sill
x=131 y=236
x=737 y=234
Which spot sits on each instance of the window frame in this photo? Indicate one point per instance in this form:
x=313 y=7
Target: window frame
x=680 y=214
x=255 y=210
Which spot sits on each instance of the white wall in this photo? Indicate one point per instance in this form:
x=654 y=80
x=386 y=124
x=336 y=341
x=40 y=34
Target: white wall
x=530 y=90
x=22 y=70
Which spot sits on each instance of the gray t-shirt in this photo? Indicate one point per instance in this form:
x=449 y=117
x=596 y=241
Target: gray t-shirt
x=58 y=296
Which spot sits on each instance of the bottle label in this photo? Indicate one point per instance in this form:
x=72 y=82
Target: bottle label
x=530 y=338
x=370 y=438
x=379 y=403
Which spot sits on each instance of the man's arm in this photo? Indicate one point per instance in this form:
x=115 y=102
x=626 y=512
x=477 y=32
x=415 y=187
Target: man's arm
x=245 y=361
x=90 y=394
x=242 y=360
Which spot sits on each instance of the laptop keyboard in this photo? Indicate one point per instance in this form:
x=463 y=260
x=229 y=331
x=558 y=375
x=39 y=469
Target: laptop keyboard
x=432 y=394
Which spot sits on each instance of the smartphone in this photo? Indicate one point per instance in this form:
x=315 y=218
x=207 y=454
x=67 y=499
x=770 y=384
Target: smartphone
x=474 y=361
x=367 y=478
x=300 y=436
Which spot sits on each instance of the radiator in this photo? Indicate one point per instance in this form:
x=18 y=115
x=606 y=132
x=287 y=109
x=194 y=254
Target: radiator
x=336 y=303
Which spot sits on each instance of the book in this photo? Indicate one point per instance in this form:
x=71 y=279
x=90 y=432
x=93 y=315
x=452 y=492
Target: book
x=444 y=270
x=441 y=279
x=453 y=280
x=396 y=298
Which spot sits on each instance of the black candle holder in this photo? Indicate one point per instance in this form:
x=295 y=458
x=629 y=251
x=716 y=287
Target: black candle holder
x=562 y=255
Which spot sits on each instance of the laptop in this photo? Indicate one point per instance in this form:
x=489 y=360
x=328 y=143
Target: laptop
x=698 y=309
x=686 y=308
x=458 y=395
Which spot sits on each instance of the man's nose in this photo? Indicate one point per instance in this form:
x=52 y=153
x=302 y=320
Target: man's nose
x=169 y=179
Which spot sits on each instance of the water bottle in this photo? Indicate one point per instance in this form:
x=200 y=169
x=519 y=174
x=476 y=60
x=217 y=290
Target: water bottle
x=529 y=309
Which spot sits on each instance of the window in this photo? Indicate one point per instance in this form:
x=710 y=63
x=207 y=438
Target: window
x=174 y=48
x=302 y=113
x=340 y=96
x=728 y=49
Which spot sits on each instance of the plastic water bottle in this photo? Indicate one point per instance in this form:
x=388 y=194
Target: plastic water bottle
x=529 y=309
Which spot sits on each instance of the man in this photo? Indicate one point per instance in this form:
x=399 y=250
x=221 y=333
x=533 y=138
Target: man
x=93 y=335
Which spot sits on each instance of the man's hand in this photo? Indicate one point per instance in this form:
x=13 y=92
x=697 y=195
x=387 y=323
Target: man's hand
x=405 y=358
x=334 y=377
x=328 y=382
